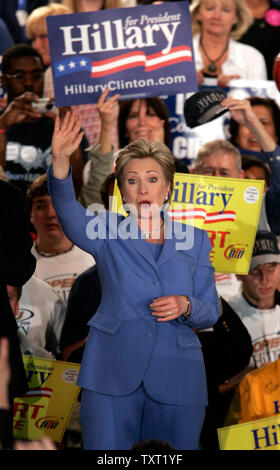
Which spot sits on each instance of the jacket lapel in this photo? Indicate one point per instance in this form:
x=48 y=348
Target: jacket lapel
x=129 y=226
x=131 y=234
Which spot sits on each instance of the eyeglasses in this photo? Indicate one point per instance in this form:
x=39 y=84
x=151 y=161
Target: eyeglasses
x=21 y=77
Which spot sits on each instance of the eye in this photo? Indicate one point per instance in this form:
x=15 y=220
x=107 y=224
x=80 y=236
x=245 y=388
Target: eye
x=151 y=112
x=265 y=122
x=208 y=171
x=132 y=115
x=271 y=269
x=153 y=179
x=131 y=181
x=254 y=273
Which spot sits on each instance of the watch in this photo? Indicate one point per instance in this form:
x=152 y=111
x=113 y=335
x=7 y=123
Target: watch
x=187 y=313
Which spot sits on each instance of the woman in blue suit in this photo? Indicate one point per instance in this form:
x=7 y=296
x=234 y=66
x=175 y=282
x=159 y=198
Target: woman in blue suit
x=142 y=372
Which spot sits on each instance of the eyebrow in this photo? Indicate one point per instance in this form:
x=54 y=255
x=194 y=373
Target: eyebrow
x=39 y=201
x=136 y=172
x=215 y=168
x=37 y=69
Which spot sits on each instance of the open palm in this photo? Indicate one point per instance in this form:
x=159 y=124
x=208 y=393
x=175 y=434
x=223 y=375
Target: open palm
x=67 y=136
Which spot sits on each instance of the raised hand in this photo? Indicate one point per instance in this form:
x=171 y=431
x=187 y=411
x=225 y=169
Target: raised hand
x=243 y=113
x=66 y=139
x=240 y=110
x=108 y=108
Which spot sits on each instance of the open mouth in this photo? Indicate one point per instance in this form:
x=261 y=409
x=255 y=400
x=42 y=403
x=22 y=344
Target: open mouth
x=144 y=204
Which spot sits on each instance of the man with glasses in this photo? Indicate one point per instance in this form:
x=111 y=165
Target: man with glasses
x=25 y=133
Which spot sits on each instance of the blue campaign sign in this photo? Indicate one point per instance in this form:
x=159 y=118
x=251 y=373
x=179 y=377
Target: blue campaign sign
x=137 y=52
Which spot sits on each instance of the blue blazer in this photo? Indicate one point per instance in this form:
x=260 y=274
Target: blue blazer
x=126 y=345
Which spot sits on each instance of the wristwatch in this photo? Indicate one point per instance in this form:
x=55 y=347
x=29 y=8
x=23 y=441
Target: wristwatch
x=187 y=313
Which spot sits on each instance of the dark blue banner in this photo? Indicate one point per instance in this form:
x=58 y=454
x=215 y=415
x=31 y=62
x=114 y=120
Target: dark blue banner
x=138 y=52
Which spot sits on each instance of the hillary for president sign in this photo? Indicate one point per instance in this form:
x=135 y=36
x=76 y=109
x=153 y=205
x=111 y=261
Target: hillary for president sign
x=227 y=208
x=137 y=52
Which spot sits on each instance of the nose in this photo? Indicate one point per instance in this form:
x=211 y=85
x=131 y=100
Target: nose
x=217 y=12
x=28 y=82
x=142 y=187
x=264 y=278
x=142 y=118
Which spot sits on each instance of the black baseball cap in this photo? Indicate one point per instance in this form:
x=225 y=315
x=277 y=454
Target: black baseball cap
x=204 y=106
x=265 y=249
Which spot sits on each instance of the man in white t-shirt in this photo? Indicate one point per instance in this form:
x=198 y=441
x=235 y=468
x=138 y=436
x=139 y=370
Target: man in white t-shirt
x=59 y=262
x=258 y=304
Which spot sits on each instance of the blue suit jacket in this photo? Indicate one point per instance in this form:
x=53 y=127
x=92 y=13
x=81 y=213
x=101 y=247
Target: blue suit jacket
x=126 y=345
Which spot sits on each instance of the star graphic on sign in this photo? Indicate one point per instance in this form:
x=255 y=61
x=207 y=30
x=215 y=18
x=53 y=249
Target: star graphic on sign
x=72 y=65
x=61 y=68
x=83 y=63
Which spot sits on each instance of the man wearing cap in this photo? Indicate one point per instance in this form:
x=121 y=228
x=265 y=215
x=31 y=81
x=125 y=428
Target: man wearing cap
x=258 y=304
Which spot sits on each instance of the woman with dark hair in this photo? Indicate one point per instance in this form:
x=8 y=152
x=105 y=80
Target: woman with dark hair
x=264 y=32
x=255 y=131
x=268 y=112
x=141 y=118
x=256 y=169
x=131 y=121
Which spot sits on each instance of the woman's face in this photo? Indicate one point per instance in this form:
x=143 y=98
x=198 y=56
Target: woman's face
x=246 y=140
x=41 y=44
x=256 y=173
x=143 y=122
x=217 y=16
x=144 y=187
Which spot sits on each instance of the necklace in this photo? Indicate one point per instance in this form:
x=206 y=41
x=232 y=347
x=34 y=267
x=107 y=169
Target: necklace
x=212 y=68
x=148 y=234
x=48 y=255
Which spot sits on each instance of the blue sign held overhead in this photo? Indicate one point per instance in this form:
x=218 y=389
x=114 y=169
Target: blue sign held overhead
x=137 y=52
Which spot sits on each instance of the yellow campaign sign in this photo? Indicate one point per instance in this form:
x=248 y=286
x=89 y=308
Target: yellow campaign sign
x=262 y=434
x=46 y=408
x=228 y=208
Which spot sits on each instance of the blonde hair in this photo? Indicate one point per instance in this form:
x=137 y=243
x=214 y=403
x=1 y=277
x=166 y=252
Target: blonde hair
x=36 y=23
x=243 y=13
x=142 y=149
x=107 y=4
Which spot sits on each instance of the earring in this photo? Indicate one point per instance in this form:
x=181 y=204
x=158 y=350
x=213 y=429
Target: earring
x=166 y=197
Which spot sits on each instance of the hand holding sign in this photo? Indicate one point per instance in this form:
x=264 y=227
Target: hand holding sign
x=108 y=109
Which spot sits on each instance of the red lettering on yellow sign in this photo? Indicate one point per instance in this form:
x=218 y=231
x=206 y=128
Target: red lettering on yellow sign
x=22 y=409
x=219 y=236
